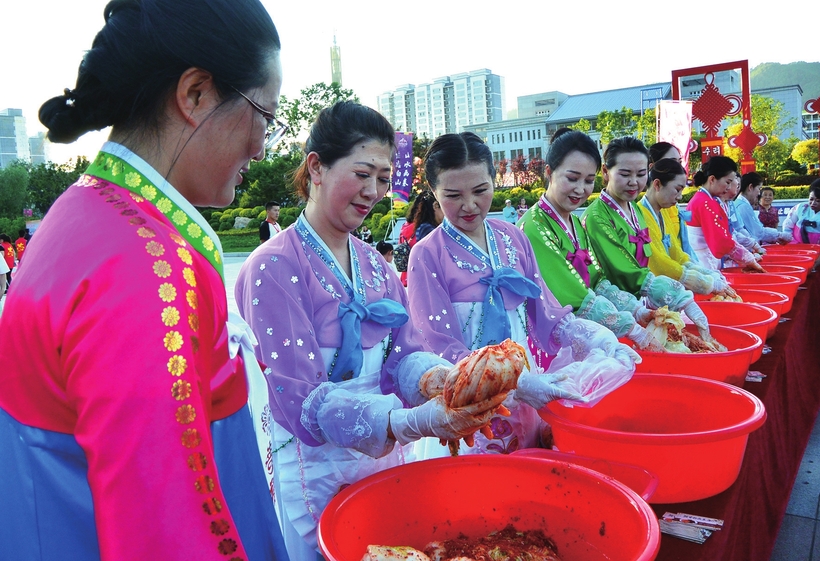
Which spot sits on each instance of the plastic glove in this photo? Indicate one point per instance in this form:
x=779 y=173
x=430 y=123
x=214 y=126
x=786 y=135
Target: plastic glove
x=582 y=336
x=720 y=285
x=536 y=390
x=434 y=418
x=644 y=315
x=696 y=281
x=624 y=301
x=593 y=378
x=603 y=312
x=431 y=383
x=645 y=340
x=759 y=249
x=663 y=291
x=693 y=312
x=784 y=237
x=741 y=256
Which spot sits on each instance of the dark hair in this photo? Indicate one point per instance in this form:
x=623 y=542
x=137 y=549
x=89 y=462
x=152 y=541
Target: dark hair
x=750 y=180
x=815 y=188
x=767 y=188
x=270 y=205
x=142 y=50
x=5 y=238
x=336 y=132
x=384 y=247
x=22 y=233
x=719 y=166
x=623 y=145
x=658 y=150
x=454 y=151
x=426 y=212
x=565 y=141
x=665 y=170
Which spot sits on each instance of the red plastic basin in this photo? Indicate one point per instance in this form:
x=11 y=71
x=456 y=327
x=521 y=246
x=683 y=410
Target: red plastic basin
x=730 y=366
x=772 y=300
x=783 y=284
x=591 y=517
x=747 y=316
x=798 y=260
x=794 y=248
x=634 y=477
x=690 y=432
x=774 y=269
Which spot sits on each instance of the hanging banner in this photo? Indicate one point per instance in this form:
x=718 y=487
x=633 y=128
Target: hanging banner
x=675 y=126
x=403 y=167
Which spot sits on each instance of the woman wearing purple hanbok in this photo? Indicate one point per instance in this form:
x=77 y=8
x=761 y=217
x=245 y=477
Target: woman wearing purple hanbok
x=345 y=366
x=475 y=281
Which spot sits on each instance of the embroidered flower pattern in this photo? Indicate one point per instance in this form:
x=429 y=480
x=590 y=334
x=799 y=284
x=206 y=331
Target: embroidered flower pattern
x=274 y=355
x=185 y=255
x=179 y=218
x=164 y=205
x=170 y=316
x=177 y=365
x=154 y=249
x=286 y=342
x=181 y=390
x=194 y=230
x=173 y=341
x=162 y=269
x=189 y=276
x=258 y=282
x=208 y=244
x=311 y=356
x=149 y=192
x=167 y=292
x=133 y=180
x=186 y=414
x=145 y=232
x=193 y=322
x=193 y=302
x=294 y=279
x=299 y=342
x=191 y=439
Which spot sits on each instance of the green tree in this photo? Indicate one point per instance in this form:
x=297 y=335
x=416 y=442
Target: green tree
x=615 y=124
x=269 y=180
x=646 y=127
x=583 y=125
x=805 y=152
x=300 y=113
x=48 y=181
x=13 y=187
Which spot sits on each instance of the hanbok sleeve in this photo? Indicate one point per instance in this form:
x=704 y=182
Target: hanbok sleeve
x=135 y=356
x=561 y=277
x=610 y=245
x=431 y=309
x=793 y=218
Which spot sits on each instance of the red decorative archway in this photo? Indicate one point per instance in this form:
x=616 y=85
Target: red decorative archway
x=712 y=106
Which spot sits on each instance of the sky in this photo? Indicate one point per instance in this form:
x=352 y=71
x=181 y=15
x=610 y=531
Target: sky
x=573 y=46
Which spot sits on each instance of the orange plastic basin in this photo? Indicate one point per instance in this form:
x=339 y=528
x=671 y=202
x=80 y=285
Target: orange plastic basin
x=783 y=284
x=634 y=477
x=590 y=516
x=690 y=432
x=730 y=366
x=747 y=316
x=772 y=300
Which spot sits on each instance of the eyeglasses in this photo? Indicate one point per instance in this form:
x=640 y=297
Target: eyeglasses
x=275 y=130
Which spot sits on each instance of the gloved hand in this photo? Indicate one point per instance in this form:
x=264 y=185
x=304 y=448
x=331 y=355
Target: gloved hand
x=536 y=390
x=759 y=249
x=434 y=418
x=622 y=300
x=693 y=312
x=644 y=315
x=697 y=282
x=603 y=312
x=784 y=237
x=645 y=340
x=582 y=336
x=431 y=383
x=663 y=291
x=742 y=256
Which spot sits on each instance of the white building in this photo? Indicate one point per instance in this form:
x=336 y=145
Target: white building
x=13 y=137
x=446 y=105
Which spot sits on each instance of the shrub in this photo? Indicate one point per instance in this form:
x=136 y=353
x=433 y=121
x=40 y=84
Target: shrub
x=262 y=215
x=247 y=213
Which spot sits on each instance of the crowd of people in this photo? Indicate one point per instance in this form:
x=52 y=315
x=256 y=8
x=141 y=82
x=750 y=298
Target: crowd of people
x=140 y=419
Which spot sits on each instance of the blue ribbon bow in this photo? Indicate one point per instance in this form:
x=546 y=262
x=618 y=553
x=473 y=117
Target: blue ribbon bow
x=385 y=312
x=495 y=324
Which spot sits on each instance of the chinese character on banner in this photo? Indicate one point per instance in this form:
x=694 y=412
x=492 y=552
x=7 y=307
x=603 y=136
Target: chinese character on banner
x=404 y=155
x=675 y=126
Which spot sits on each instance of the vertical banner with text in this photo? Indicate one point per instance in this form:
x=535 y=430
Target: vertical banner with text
x=403 y=166
x=675 y=126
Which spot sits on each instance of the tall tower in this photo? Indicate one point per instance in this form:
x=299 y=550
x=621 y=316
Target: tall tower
x=336 y=62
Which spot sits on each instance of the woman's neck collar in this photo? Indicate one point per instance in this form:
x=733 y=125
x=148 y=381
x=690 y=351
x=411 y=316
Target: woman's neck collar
x=620 y=202
x=334 y=239
x=566 y=216
x=653 y=203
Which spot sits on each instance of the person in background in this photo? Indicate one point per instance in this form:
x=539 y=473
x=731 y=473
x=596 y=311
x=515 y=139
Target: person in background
x=736 y=226
x=667 y=180
x=565 y=258
x=270 y=226
x=366 y=235
x=767 y=213
x=20 y=243
x=428 y=216
x=661 y=151
x=750 y=186
x=509 y=212
x=522 y=208
x=709 y=229
x=4 y=268
x=475 y=282
x=124 y=422
x=9 y=256
x=803 y=220
x=346 y=367
x=385 y=249
x=618 y=233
